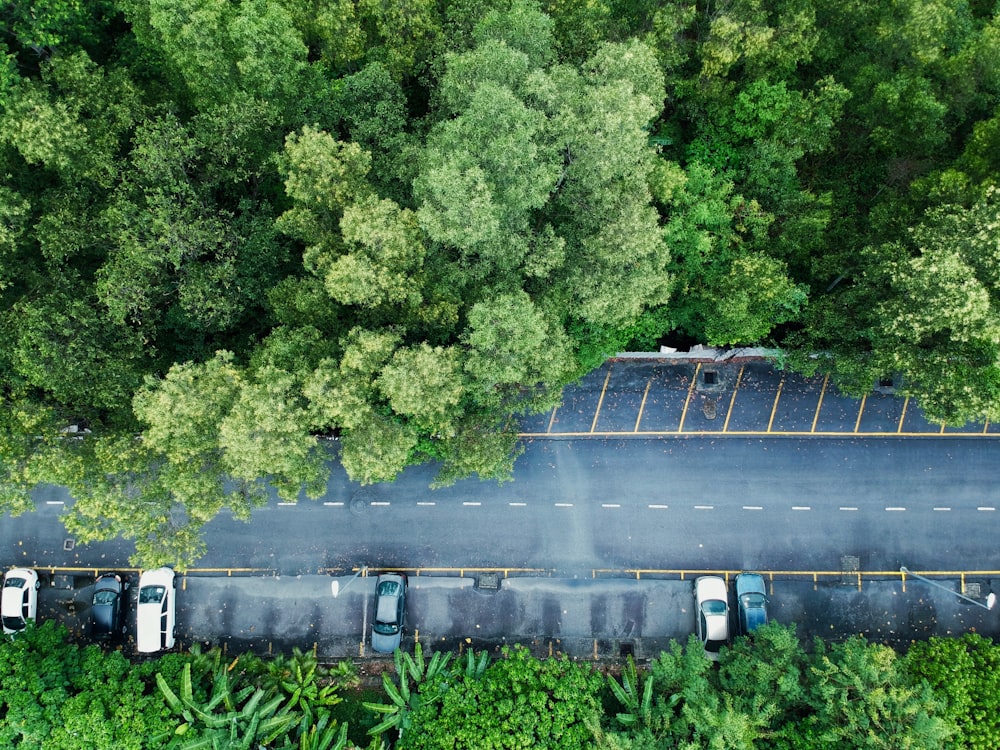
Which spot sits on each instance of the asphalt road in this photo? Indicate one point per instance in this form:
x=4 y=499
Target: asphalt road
x=580 y=504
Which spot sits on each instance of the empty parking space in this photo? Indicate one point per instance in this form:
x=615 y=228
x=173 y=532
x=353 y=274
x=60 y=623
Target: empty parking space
x=652 y=397
x=756 y=399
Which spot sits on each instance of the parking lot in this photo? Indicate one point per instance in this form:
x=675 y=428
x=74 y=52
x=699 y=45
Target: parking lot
x=628 y=397
x=605 y=616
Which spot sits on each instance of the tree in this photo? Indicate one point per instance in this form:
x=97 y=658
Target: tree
x=963 y=672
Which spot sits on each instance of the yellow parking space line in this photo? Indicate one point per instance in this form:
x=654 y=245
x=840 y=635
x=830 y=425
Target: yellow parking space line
x=986 y=426
x=552 y=419
x=736 y=388
x=687 y=401
x=600 y=401
x=819 y=404
x=941 y=431
x=642 y=406
x=774 y=407
x=861 y=410
x=754 y=433
x=899 y=427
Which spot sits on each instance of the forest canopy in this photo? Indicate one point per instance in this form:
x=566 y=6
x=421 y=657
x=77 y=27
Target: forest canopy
x=230 y=230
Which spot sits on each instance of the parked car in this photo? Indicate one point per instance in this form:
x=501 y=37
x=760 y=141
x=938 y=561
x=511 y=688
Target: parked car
x=751 y=601
x=19 y=602
x=109 y=606
x=156 y=612
x=712 y=603
x=390 y=612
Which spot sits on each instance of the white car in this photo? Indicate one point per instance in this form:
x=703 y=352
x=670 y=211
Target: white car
x=156 y=612
x=712 y=603
x=20 y=599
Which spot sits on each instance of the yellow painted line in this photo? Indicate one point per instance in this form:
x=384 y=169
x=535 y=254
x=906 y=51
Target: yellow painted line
x=774 y=407
x=941 y=432
x=683 y=573
x=642 y=406
x=600 y=401
x=552 y=419
x=899 y=427
x=861 y=410
x=732 y=401
x=184 y=584
x=687 y=401
x=986 y=426
x=760 y=433
x=819 y=404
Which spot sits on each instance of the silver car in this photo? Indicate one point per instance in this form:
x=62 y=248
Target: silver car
x=390 y=612
x=712 y=605
x=19 y=600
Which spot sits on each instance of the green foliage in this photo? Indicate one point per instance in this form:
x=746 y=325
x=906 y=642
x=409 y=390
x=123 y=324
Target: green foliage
x=486 y=198
x=963 y=673
x=518 y=701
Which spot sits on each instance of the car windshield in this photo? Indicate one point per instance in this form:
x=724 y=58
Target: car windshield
x=388 y=588
x=105 y=597
x=15 y=583
x=714 y=607
x=151 y=594
x=385 y=628
x=753 y=601
x=13 y=623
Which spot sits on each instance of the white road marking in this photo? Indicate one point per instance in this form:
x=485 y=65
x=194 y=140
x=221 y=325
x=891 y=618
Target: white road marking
x=848 y=507
x=753 y=507
x=425 y=503
x=801 y=507
x=942 y=508
x=517 y=505
x=895 y=508
x=704 y=507
x=610 y=505
x=656 y=506
x=473 y=504
x=334 y=504
x=564 y=505
x=55 y=502
x=380 y=502
x=287 y=503
x=985 y=507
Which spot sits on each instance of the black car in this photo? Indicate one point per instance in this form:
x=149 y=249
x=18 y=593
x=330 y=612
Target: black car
x=110 y=606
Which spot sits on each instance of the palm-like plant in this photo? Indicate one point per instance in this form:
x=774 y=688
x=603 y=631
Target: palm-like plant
x=638 y=708
x=419 y=681
x=230 y=719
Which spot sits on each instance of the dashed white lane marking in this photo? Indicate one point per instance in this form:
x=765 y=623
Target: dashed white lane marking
x=474 y=504
x=753 y=507
x=801 y=507
x=942 y=508
x=517 y=505
x=380 y=502
x=848 y=507
x=895 y=508
x=657 y=506
x=55 y=502
x=337 y=504
x=286 y=504
x=564 y=505
x=704 y=507
x=425 y=503
x=985 y=507
x=610 y=505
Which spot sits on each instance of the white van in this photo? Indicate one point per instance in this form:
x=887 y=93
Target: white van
x=156 y=611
